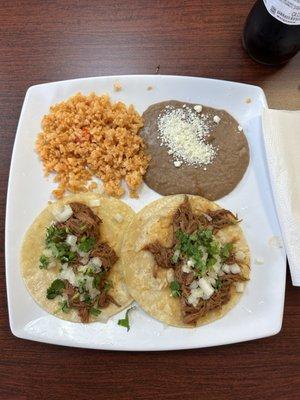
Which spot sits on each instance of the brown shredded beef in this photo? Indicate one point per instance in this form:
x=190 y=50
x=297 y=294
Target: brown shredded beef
x=83 y=222
x=221 y=219
x=185 y=220
x=107 y=255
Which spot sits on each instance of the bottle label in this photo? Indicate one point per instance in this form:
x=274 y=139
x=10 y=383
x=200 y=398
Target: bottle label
x=286 y=11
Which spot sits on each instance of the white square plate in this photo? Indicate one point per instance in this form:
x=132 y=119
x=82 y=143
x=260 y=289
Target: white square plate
x=257 y=315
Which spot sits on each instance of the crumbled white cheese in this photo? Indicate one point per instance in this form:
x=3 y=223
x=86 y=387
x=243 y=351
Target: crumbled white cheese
x=119 y=217
x=198 y=108
x=61 y=214
x=183 y=133
x=177 y=163
x=259 y=260
x=240 y=128
x=217 y=119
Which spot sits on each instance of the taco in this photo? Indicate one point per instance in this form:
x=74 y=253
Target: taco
x=70 y=258
x=186 y=261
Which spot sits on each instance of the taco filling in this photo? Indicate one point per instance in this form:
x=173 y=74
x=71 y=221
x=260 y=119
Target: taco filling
x=201 y=268
x=73 y=246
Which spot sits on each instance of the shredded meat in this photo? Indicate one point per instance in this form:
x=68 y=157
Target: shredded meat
x=107 y=255
x=83 y=312
x=162 y=255
x=185 y=220
x=221 y=219
x=83 y=221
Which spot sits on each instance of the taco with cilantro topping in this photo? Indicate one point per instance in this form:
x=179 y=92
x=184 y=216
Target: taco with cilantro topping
x=71 y=258
x=186 y=261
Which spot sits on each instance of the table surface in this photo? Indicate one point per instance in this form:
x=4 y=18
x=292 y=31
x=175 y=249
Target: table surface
x=42 y=41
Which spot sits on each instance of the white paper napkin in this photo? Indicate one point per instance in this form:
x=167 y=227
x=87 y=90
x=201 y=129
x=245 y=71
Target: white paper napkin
x=282 y=142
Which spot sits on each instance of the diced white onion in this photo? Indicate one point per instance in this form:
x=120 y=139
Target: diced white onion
x=47 y=253
x=211 y=280
x=239 y=255
x=83 y=254
x=69 y=275
x=84 y=260
x=221 y=273
x=64 y=266
x=239 y=286
x=206 y=287
x=71 y=240
x=94 y=202
x=198 y=292
x=96 y=261
x=119 y=217
x=186 y=268
x=213 y=274
x=170 y=275
x=191 y=263
x=226 y=268
x=52 y=264
x=235 y=269
x=89 y=286
x=194 y=284
x=62 y=214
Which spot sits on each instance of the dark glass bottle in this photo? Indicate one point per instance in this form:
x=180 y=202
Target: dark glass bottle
x=266 y=38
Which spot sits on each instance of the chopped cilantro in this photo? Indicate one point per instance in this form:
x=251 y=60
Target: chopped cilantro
x=175 y=256
x=55 y=234
x=96 y=281
x=218 y=284
x=65 y=307
x=175 y=289
x=62 y=252
x=125 y=321
x=95 y=311
x=226 y=250
x=86 y=244
x=87 y=298
x=55 y=289
x=107 y=285
x=44 y=262
x=210 y=262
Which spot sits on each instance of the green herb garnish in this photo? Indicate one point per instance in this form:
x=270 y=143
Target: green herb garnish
x=125 y=321
x=44 y=262
x=107 y=285
x=96 y=281
x=87 y=298
x=62 y=252
x=95 y=311
x=55 y=234
x=65 y=307
x=86 y=244
x=218 y=284
x=226 y=251
x=55 y=289
x=175 y=289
